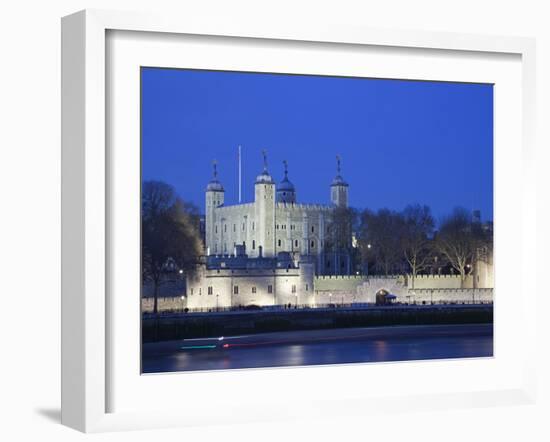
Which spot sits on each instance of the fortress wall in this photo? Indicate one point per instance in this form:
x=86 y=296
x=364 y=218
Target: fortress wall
x=458 y=296
x=287 y=286
x=164 y=304
x=317 y=290
x=448 y=296
x=357 y=289
x=439 y=281
x=338 y=283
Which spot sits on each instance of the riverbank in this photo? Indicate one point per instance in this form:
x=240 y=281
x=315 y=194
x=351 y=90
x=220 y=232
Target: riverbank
x=318 y=347
x=216 y=324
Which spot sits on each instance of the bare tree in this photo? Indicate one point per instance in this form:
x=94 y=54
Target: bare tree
x=380 y=239
x=340 y=229
x=169 y=235
x=416 y=239
x=339 y=232
x=458 y=240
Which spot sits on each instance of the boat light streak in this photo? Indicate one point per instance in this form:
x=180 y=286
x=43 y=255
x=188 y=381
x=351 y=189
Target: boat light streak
x=194 y=347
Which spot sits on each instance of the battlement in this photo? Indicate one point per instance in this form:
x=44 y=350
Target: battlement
x=360 y=277
x=341 y=277
x=235 y=207
x=427 y=277
x=300 y=206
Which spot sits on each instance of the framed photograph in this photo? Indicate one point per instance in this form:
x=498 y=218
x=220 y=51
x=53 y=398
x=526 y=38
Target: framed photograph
x=323 y=214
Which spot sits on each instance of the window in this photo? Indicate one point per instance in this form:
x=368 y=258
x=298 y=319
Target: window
x=253 y=289
x=293 y=289
x=279 y=243
x=312 y=243
x=307 y=287
x=253 y=244
x=224 y=247
x=328 y=264
x=312 y=229
x=270 y=289
x=216 y=229
x=210 y=290
x=191 y=291
x=243 y=226
x=252 y=225
x=234 y=227
x=200 y=290
x=277 y=226
x=225 y=227
x=295 y=243
x=235 y=289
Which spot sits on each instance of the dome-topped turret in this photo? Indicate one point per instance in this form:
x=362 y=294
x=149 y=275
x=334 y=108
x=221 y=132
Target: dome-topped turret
x=264 y=177
x=286 y=193
x=214 y=185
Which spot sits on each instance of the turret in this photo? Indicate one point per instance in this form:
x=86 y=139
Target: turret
x=339 y=188
x=286 y=193
x=215 y=196
x=264 y=196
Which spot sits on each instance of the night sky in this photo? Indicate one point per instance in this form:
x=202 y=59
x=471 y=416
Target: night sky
x=401 y=142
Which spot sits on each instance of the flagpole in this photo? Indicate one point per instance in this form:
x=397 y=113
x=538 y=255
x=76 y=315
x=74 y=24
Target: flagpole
x=240 y=176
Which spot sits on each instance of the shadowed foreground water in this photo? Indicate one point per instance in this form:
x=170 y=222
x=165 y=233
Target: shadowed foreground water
x=380 y=344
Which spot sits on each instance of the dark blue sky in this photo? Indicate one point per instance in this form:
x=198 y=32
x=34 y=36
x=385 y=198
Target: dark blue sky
x=401 y=142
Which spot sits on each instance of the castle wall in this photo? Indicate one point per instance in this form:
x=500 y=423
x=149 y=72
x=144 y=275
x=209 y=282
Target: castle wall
x=164 y=304
x=484 y=280
x=232 y=225
x=319 y=290
x=212 y=288
x=361 y=289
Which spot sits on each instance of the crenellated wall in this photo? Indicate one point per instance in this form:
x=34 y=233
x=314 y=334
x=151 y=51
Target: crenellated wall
x=211 y=288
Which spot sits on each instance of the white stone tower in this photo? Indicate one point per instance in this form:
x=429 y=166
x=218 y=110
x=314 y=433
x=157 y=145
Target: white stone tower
x=264 y=197
x=339 y=188
x=215 y=197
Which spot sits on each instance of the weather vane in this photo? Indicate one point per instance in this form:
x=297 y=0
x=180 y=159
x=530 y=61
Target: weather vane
x=338 y=163
x=286 y=167
x=215 y=164
x=264 y=153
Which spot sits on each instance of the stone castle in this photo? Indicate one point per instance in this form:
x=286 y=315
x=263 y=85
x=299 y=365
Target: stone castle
x=275 y=222
x=275 y=251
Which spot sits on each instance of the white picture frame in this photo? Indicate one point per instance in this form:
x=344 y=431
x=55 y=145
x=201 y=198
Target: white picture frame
x=86 y=355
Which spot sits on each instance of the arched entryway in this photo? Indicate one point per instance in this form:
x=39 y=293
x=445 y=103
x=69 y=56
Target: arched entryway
x=384 y=297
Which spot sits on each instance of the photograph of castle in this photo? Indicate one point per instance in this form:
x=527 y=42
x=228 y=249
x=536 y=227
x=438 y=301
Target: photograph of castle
x=292 y=220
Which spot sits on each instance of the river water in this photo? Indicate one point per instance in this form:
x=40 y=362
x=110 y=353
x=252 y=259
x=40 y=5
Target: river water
x=341 y=346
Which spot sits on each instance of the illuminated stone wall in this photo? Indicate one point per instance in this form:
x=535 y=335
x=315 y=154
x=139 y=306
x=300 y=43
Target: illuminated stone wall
x=212 y=288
